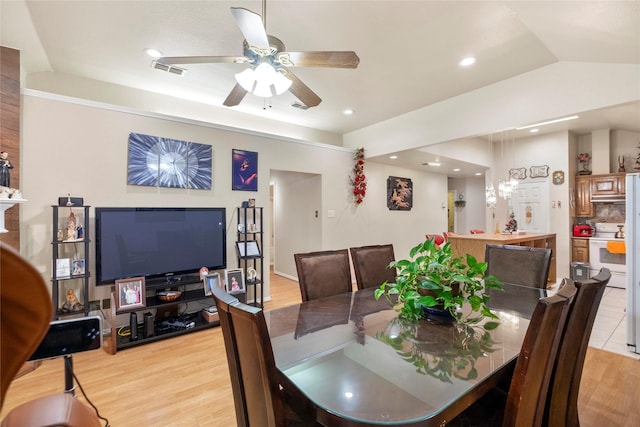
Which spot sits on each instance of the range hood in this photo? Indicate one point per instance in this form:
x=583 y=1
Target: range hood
x=617 y=199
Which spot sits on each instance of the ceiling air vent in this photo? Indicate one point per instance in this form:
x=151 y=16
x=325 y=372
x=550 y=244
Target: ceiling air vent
x=299 y=106
x=168 y=68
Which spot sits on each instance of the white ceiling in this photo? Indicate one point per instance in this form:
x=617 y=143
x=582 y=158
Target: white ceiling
x=408 y=50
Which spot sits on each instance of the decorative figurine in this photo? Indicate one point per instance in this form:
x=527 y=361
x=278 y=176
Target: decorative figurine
x=72 y=303
x=5 y=167
x=512 y=225
x=621 y=163
x=71 y=226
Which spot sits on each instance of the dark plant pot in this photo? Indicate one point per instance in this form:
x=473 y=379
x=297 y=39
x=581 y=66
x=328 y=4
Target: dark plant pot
x=438 y=314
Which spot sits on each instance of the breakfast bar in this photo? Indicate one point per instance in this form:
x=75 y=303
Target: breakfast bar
x=475 y=244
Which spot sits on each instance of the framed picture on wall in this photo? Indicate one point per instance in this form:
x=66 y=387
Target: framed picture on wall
x=399 y=194
x=244 y=169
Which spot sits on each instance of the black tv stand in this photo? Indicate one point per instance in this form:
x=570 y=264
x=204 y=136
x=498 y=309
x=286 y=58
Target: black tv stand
x=172 y=318
x=168 y=281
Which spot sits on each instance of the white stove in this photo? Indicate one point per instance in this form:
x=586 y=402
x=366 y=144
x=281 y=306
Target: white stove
x=608 y=251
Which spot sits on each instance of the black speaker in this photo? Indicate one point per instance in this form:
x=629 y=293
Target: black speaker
x=149 y=324
x=133 y=324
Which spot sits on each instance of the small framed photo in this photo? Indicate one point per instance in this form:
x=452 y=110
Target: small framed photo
x=63 y=267
x=248 y=249
x=234 y=280
x=130 y=294
x=252 y=203
x=77 y=267
x=210 y=281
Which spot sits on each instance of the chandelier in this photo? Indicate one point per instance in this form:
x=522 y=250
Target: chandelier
x=489 y=191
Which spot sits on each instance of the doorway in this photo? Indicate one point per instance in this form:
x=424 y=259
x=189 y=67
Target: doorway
x=295 y=218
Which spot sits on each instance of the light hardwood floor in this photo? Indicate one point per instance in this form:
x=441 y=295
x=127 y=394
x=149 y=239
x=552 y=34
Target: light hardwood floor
x=184 y=381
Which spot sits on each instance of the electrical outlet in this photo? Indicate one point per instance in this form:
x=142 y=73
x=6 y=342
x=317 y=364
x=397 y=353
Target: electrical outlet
x=94 y=305
x=106 y=303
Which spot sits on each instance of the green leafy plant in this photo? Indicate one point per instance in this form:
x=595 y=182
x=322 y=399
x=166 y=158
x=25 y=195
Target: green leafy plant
x=433 y=277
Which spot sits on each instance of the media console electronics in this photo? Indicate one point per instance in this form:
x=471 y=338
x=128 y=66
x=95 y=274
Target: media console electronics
x=158 y=243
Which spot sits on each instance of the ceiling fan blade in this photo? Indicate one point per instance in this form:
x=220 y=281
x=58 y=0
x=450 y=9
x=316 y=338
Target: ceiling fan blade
x=250 y=24
x=235 y=96
x=302 y=91
x=171 y=60
x=323 y=59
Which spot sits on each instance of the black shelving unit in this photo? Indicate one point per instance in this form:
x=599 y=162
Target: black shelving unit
x=72 y=251
x=250 y=229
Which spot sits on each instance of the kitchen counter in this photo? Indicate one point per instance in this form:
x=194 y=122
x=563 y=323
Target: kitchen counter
x=475 y=244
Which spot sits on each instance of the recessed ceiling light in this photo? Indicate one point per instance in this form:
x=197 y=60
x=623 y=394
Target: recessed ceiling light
x=348 y=112
x=478 y=173
x=534 y=130
x=456 y=170
x=154 y=53
x=564 y=119
x=393 y=157
x=470 y=60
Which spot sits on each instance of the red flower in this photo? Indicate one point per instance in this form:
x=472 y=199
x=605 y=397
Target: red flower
x=358 y=180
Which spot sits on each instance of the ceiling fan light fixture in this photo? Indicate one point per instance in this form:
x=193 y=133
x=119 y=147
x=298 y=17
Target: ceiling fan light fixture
x=263 y=89
x=246 y=79
x=281 y=83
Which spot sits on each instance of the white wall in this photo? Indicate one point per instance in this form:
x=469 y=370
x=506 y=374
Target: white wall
x=551 y=150
x=73 y=148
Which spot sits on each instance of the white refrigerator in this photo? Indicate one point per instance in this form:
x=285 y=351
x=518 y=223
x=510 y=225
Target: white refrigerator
x=632 y=243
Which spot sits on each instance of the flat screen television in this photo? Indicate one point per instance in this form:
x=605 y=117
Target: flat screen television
x=158 y=242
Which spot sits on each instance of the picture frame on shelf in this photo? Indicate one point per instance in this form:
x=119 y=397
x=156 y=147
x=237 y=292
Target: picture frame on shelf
x=130 y=294
x=234 y=280
x=248 y=249
x=63 y=268
x=251 y=203
x=210 y=281
x=77 y=267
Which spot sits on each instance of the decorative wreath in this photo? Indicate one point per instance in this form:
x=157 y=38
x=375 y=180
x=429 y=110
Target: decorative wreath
x=359 y=180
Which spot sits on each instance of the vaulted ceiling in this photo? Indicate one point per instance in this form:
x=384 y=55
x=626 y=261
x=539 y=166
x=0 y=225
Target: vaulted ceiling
x=409 y=50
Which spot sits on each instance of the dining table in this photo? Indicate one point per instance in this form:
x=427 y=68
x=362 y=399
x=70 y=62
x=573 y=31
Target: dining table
x=350 y=360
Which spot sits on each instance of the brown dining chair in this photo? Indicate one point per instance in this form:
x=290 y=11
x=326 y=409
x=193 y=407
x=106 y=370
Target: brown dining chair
x=519 y=265
x=562 y=406
x=259 y=400
x=324 y=273
x=524 y=404
x=25 y=313
x=371 y=265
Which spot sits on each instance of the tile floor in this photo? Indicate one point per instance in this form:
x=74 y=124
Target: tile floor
x=610 y=328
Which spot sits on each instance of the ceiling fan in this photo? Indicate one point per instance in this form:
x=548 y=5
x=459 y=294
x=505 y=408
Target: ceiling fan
x=270 y=64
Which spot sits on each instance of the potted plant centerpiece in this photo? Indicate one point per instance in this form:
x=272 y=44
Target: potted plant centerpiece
x=434 y=279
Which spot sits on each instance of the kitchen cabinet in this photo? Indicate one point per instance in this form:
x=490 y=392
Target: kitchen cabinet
x=579 y=250
x=583 y=206
x=608 y=185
